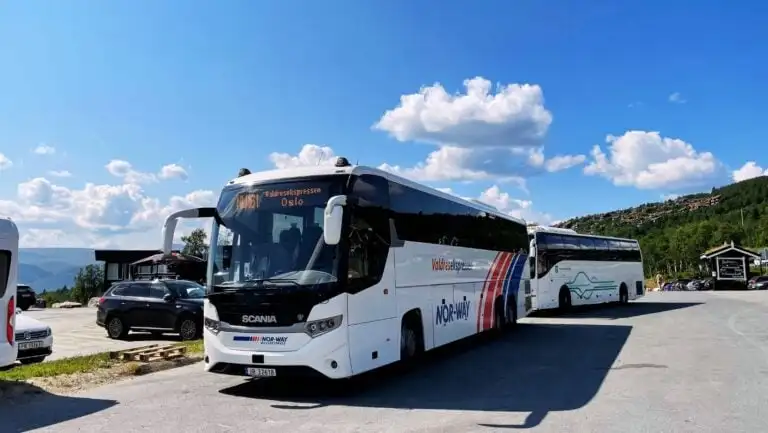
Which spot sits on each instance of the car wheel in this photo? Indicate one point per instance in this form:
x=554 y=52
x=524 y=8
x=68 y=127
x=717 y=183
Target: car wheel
x=116 y=328
x=188 y=329
x=32 y=360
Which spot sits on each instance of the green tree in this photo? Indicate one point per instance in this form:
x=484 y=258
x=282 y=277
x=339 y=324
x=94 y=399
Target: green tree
x=89 y=282
x=195 y=244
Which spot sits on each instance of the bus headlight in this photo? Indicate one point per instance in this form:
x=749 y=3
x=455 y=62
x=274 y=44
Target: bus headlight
x=212 y=325
x=322 y=326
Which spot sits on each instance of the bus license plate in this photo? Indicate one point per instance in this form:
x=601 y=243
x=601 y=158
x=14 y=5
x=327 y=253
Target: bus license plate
x=30 y=345
x=260 y=372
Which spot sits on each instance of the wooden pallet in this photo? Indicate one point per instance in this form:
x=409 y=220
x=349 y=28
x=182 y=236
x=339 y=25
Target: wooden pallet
x=153 y=352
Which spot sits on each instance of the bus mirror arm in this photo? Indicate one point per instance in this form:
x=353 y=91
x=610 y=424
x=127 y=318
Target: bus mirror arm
x=332 y=219
x=169 y=226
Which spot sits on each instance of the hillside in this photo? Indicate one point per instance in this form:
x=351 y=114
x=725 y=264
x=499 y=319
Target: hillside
x=674 y=233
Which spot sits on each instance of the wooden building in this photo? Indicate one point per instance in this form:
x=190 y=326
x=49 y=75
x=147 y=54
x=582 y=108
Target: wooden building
x=117 y=264
x=729 y=265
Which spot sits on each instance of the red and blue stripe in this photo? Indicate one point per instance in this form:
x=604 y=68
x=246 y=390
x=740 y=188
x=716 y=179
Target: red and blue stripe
x=503 y=279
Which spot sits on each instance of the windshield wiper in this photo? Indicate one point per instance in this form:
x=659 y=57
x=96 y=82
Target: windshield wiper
x=274 y=281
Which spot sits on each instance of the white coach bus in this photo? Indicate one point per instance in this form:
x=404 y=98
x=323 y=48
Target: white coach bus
x=9 y=256
x=570 y=269
x=343 y=269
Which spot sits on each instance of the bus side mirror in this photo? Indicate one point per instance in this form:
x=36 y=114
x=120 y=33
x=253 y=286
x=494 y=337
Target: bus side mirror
x=332 y=219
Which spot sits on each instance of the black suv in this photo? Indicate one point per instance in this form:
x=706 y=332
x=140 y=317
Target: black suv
x=25 y=296
x=156 y=306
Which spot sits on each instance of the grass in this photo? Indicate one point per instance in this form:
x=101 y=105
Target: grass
x=77 y=364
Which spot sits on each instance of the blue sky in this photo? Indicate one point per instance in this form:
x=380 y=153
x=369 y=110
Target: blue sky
x=122 y=89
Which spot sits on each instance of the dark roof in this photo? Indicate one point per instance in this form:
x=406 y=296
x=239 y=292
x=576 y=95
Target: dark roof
x=123 y=256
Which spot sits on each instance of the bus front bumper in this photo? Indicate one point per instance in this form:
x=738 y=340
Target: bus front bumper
x=324 y=356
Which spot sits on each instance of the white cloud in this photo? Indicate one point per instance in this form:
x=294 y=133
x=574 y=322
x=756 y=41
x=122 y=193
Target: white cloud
x=95 y=215
x=310 y=154
x=44 y=149
x=501 y=200
x=173 y=171
x=5 y=163
x=748 y=171
x=563 y=162
x=481 y=134
x=504 y=202
x=124 y=169
x=648 y=161
x=59 y=173
x=677 y=98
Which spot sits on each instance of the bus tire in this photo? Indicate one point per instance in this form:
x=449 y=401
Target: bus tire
x=623 y=294
x=511 y=313
x=411 y=336
x=564 y=300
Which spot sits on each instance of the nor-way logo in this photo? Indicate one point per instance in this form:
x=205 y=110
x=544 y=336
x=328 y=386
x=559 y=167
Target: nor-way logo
x=442 y=264
x=265 y=340
x=447 y=313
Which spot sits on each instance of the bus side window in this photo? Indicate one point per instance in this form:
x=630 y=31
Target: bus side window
x=369 y=235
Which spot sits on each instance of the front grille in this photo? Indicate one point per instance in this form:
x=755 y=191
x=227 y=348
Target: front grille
x=32 y=335
x=234 y=316
x=287 y=309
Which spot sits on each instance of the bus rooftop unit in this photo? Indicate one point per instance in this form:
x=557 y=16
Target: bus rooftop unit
x=9 y=256
x=568 y=268
x=338 y=270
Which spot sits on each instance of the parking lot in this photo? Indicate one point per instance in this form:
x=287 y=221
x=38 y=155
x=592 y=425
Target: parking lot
x=675 y=361
x=75 y=333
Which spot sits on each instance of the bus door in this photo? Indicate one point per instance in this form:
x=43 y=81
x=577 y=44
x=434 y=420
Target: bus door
x=532 y=286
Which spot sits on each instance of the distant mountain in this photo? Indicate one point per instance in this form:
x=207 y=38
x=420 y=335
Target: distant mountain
x=52 y=268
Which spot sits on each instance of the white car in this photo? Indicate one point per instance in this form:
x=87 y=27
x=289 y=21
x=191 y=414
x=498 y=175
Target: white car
x=33 y=338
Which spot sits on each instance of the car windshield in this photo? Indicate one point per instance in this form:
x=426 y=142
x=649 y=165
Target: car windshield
x=187 y=289
x=275 y=232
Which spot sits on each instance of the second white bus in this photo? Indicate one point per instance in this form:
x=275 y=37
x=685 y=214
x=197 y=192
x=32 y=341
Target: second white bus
x=9 y=256
x=571 y=269
x=340 y=270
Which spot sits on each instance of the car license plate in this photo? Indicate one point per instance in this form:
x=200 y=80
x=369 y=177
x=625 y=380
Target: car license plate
x=260 y=372
x=30 y=345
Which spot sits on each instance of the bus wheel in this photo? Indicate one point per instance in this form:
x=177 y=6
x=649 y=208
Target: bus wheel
x=511 y=313
x=410 y=338
x=565 y=300
x=623 y=294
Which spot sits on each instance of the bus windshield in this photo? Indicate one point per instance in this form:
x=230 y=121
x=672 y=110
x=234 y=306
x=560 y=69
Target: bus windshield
x=273 y=232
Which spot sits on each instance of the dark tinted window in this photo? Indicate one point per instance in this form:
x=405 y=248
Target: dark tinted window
x=139 y=290
x=5 y=269
x=157 y=290
x=371 y=191
x=186 y=289
x=423 y=217
x=24 y=288
x=554 y=248
x=117 y=289
x=587 y=243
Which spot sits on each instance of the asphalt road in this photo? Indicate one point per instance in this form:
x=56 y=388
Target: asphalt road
x=673 y=362
x=75 y=333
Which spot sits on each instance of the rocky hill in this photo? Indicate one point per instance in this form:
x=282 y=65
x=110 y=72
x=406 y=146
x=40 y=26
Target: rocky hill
x=673 y=233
